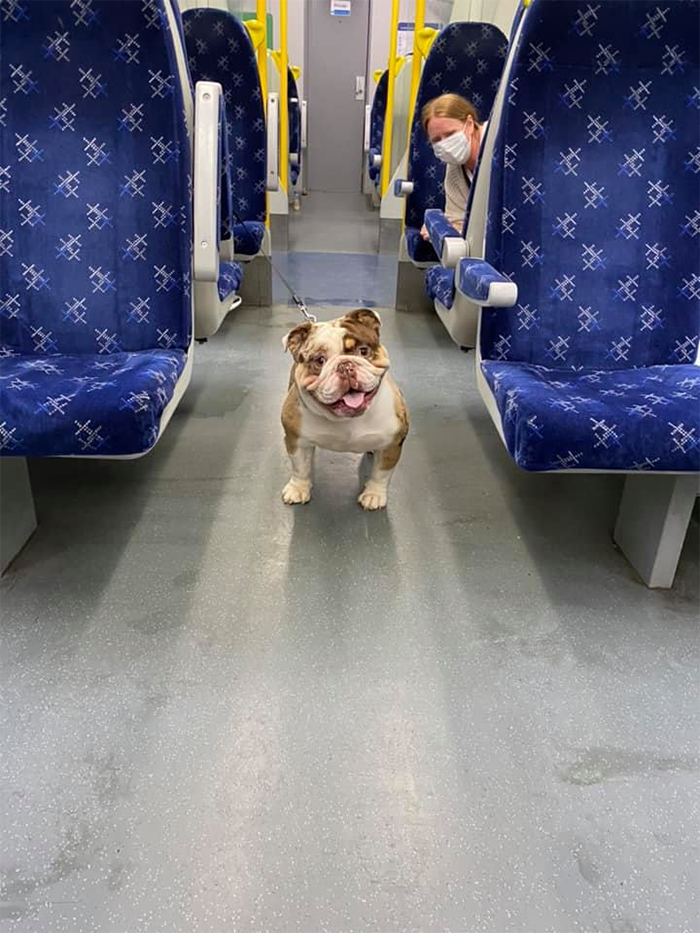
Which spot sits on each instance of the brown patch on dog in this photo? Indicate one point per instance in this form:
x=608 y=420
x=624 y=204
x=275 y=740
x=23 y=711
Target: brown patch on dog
x=401 y=409
x=291 y=418
x=350 y=343
x=296 y=339
x=390 y=456
x=363 y=327
x=380 y=357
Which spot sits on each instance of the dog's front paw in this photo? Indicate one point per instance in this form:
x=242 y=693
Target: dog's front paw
x=373 y=497
x=296 y=492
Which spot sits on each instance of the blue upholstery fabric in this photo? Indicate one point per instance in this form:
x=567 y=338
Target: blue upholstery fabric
x=376 y=125
x=95 y=219
x=476 y=277
x=637 y=419
x=230 y=277
x=466 y=59
x=85 y=405
x=439 y=228
x=594 y=213
x=219 y=49
x=247 y=237
x=294 y=114
x=419 y=250
x=440 y=284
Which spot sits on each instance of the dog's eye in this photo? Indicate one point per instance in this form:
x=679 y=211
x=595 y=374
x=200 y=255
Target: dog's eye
x=321 y=360
x=363 y=351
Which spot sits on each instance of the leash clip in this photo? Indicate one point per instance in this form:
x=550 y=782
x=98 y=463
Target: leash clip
x=303 y=310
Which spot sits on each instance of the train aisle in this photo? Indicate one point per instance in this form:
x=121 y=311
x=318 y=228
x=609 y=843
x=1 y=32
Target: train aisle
x=465 y=713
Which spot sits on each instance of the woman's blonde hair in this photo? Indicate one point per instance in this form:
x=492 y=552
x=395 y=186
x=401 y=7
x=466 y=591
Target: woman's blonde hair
x=448 y=105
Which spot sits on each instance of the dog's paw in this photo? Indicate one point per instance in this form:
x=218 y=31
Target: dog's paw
x=296 y=493
x=373 y=497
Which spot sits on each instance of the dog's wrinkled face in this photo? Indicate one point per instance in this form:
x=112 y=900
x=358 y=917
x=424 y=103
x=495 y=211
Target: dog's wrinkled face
x=340 y=364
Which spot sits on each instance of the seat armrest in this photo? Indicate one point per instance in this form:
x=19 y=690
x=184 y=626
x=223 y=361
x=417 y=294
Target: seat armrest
x=447 y=242
x=273 y=140
x=478 y=281
x=207 y=146
x=403 y=188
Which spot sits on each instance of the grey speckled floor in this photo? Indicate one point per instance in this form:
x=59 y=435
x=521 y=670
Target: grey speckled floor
x=334 y=222
x=222 y=715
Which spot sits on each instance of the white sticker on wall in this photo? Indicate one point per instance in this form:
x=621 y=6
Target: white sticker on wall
x=341 y=7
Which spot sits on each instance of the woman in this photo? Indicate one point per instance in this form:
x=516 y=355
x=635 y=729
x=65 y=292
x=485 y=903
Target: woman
x=452 y=126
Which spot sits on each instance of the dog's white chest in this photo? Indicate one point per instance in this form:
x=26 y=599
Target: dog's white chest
x=374 y=430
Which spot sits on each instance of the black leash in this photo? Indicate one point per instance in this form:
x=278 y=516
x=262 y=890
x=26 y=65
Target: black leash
x=299 y=302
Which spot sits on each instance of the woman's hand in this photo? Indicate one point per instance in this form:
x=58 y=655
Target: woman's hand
x=424 y=232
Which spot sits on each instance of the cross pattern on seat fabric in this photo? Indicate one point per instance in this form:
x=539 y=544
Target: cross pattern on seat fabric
x=219 y=49
x=376 y=125
x=95 y=227
x=294 y=117
x=594 y=213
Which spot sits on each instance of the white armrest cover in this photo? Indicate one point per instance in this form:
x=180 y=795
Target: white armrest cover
x=206 y=181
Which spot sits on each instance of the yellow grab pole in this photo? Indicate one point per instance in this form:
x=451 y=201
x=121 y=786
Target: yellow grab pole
x=261 y=16
x=415 y=64
x=284 y=93
x=389 y=115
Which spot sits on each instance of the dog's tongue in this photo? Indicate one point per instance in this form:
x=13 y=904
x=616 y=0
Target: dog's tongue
x=354 y=399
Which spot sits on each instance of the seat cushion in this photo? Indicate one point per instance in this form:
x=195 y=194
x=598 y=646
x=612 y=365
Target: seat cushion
x=418 y=249
x=440 y=285
x=633 y=419
x=86 y=405
x=230 y=277
x=248 y=237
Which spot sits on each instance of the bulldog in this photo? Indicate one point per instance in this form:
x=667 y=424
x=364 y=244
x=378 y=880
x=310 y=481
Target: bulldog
x=341 y=398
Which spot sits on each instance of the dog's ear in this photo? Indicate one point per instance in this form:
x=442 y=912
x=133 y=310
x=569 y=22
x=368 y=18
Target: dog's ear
x=365 y=317
x=296 y=338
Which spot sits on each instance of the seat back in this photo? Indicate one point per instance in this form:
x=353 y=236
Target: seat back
x=376 y=125
x=466 y=59
x=95 y=213
x=593 y=204
x=294 y=117
x=219 y=49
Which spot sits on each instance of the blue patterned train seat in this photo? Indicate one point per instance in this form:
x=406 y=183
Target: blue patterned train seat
x=376 y=126
x=294 y=116
x=95 y=228
x=219 y=49
x=594 y=212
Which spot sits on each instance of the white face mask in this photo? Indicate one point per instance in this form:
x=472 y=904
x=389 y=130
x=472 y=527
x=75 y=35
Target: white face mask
x=454 y=149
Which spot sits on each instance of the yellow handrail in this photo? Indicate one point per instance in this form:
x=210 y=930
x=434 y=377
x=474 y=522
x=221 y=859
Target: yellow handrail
x=283 y=63
x=386 y=143
x=415 y=64
x=261 y=16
